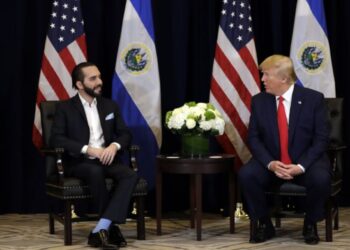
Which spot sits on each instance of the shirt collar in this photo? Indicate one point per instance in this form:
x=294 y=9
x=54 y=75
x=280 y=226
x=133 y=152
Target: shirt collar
x=85 y=103
x=288 y=94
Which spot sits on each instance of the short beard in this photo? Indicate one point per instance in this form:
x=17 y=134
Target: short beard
x=91 y=91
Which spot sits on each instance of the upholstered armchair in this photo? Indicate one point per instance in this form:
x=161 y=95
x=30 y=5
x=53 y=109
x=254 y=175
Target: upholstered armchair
x=70 y=189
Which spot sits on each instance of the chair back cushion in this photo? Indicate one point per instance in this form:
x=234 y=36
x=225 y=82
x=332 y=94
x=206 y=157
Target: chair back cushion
x=47 y=111
x=335 y=116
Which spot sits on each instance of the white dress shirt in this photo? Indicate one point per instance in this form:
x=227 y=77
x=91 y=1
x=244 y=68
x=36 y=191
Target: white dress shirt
x=287 y=96
x=96 y=139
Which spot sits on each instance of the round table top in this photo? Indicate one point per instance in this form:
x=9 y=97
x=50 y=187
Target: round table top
x=216 y=163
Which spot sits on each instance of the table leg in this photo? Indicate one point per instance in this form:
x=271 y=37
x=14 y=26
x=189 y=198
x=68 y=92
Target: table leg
x=192 y=200
x=232 y=200
x=198 y=180
x=159 y=200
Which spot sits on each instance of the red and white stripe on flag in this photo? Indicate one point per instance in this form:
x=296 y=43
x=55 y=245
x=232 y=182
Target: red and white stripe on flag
x=65 y=47
x=235 y=77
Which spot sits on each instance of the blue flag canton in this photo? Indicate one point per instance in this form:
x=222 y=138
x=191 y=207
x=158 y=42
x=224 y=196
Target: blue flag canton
x=236 y=22
x=66 y=23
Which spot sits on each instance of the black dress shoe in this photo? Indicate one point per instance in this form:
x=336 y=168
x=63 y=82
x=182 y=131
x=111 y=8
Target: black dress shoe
x=100 y=239
x=263 y=232
x=116 y=237
x=310 y=234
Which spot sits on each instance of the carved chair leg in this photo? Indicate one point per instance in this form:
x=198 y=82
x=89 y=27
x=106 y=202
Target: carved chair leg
x=336 y=213
x=140 y=204
x=67 y=223
x=278 y=222
x=51 y=220
x=329 y=236
x=336 y=219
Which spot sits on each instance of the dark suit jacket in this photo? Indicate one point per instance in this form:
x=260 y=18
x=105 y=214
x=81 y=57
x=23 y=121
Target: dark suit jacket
x=70 y=129
x=308 y=128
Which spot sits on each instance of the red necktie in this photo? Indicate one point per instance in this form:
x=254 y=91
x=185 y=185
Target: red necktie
x=283 y=131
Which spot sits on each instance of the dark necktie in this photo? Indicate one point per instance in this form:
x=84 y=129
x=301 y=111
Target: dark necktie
x=283 y=131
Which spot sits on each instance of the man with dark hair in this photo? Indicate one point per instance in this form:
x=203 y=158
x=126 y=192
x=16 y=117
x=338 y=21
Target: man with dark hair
x=78 y=74
x=92 y=132
x=288 y=136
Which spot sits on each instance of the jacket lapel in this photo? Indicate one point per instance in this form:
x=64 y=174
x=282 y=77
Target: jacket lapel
x=101 y=113
x=79 y=106
x=272 y=114
x=295 y=108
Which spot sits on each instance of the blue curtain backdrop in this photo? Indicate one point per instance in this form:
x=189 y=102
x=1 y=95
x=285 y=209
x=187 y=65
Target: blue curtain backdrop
x=185 y=32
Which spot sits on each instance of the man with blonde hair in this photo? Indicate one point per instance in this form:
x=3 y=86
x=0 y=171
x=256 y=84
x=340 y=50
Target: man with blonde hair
x=288 y=137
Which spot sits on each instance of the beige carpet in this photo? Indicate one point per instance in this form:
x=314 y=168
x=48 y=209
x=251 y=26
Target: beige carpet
x=31 y=232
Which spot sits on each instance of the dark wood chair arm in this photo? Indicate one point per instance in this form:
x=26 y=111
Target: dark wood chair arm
x=133 y=149
x=333 y=151
x=48 y=151
x=57 y=153
x=337 y=147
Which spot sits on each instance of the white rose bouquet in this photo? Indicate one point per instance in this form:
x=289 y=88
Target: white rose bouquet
x=195 y=119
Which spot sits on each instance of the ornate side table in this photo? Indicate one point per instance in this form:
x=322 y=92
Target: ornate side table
x=196 y=167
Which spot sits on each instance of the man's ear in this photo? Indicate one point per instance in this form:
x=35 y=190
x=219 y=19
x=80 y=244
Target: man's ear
x=79 y=85
x=285 y=79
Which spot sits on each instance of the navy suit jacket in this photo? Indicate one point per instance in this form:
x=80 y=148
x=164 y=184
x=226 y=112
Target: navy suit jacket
x=70 y=128
x=308 y=132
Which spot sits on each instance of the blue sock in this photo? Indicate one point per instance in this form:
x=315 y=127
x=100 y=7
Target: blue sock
x=102 y=224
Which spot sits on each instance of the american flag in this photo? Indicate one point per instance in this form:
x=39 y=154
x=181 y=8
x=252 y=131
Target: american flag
x=65 y=47
x=235 y=76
